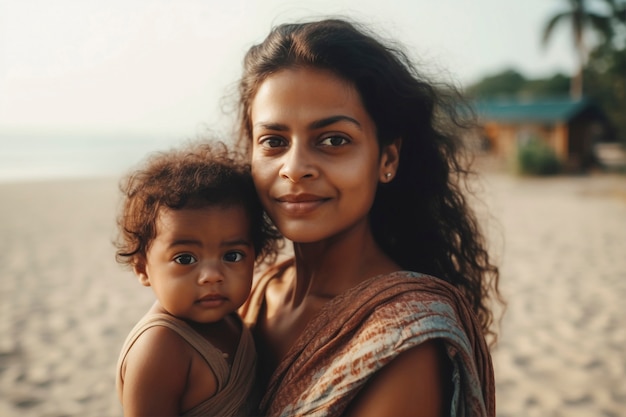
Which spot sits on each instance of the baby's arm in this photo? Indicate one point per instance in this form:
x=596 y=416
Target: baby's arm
x=156 y=374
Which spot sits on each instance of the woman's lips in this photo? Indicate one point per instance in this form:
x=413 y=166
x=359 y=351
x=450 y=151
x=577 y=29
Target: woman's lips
x=300 y=204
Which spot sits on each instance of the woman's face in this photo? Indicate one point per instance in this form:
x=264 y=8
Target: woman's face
x=316 y=161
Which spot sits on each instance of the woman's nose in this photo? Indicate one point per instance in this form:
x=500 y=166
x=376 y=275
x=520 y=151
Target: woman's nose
x=298 y=164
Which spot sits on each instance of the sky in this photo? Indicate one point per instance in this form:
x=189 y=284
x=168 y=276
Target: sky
x=165 y=67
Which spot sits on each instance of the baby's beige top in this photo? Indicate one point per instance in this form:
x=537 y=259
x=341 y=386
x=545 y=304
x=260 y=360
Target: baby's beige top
x=235 y=387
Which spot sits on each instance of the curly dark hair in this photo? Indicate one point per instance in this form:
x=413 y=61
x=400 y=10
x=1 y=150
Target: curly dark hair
x=201 y=174
x=421 y=219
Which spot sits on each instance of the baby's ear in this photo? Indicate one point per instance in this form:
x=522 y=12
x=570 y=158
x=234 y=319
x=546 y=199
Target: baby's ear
x=142 y=275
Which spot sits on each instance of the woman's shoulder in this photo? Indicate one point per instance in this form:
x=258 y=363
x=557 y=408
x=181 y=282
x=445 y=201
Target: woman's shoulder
x=407 y=285
x=401 y=300
x=264 y=279
x=415 y=291
x=275 y=271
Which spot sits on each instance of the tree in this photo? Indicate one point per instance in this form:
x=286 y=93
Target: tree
x=606 y=79
x=582 y=18
x=554 y=86
x=504 y=84
x=605 y=73
x=510 y=84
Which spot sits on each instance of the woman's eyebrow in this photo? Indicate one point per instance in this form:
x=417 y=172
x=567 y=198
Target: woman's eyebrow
x=333 y=119
x=317 y=124
x=271 y=126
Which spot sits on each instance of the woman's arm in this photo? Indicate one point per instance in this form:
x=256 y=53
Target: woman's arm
x=416 y=383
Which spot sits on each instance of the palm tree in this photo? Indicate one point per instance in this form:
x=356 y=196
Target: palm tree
x=580 y=18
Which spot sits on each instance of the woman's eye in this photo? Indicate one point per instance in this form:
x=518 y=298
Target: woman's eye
x=334 y=141
x=272 y=142
x=233 y=257
x=185 y=259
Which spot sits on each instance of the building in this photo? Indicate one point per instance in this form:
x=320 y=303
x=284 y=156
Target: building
x=569 y=128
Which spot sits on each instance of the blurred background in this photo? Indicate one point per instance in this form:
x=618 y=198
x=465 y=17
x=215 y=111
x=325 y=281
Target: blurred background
x=88 y=88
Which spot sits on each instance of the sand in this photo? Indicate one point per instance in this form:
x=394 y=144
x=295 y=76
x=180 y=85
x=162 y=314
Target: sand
x=66 y=306
x=562 y=243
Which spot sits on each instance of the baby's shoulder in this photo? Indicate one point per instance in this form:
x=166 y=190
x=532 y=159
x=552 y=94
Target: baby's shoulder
x=160 y=343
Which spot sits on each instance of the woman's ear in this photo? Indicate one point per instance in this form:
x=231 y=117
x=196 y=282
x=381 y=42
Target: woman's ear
x=389 y=161
x=142 y=274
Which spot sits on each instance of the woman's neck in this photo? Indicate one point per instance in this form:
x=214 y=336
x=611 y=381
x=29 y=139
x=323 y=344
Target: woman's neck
x=328 y=268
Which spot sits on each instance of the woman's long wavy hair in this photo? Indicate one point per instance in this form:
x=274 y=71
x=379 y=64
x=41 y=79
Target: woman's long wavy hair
x=421 y=219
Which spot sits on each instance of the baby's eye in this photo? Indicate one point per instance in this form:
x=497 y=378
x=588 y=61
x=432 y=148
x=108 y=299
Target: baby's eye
x=233 y=257
x=185 y=259
x=334 y=141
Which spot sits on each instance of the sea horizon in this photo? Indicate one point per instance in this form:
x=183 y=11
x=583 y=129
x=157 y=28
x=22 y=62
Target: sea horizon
x=25 y=158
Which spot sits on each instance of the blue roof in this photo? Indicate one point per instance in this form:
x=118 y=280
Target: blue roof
x=555 y=110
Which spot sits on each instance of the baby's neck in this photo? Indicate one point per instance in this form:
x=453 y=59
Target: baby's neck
x=223 y=334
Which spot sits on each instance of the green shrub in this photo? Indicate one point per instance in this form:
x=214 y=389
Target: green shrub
x=536 y=158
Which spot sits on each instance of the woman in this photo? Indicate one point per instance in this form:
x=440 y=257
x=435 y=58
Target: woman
x=354 y=164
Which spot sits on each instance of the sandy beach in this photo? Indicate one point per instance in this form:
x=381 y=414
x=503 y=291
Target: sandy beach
x=66 y=306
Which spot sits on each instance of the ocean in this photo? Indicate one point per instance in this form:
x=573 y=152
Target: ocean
x=41 y=157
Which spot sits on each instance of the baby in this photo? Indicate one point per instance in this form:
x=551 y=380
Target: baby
x=191 y=228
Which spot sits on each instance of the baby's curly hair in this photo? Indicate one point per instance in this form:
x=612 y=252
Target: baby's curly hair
x=197 y=175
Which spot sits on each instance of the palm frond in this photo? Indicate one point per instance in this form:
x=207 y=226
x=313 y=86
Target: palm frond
x=549 y=28
x=602 y=24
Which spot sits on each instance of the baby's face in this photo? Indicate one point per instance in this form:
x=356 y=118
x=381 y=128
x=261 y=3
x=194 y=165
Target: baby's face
x=200 y=264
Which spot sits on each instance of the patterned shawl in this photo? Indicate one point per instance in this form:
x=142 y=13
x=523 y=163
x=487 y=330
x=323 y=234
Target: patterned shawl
x=357 y=333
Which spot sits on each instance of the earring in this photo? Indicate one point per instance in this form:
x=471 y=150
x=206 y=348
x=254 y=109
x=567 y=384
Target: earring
x=388 y=175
